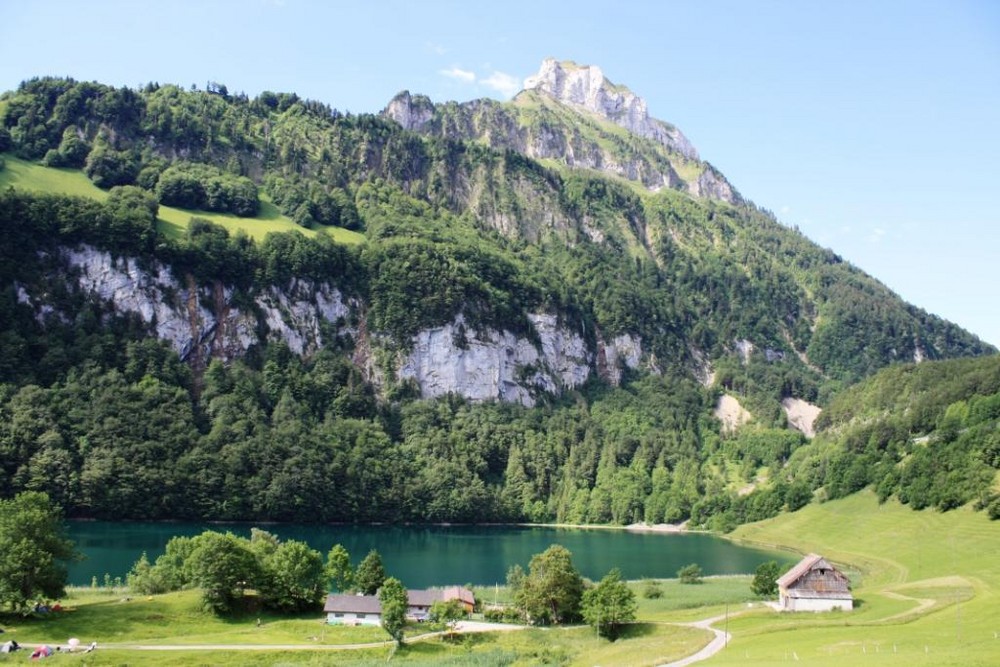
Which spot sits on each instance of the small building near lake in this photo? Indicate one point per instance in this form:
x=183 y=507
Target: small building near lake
x=814 y=585
x=353 y=610
x=367 y=610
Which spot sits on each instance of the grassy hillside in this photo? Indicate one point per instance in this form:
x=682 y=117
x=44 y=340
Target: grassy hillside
x=32 y=176
x=928 y=584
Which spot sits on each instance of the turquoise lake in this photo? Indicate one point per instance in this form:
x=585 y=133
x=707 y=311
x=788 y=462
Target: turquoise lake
x=422 y=556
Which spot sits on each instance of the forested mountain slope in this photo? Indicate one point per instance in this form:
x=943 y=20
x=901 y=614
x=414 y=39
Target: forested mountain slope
x=576 y=325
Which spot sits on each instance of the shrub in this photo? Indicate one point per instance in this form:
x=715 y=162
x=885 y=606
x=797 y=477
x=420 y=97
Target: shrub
x=652 y=589
x=690 y=574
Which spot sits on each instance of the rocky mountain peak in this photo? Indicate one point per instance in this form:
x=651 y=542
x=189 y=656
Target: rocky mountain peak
x=413 y=112
x=586 y=87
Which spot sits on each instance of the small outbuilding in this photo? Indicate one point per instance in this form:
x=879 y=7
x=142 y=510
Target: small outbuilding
x=367 y=610
x=353 y=610
x=814 y=585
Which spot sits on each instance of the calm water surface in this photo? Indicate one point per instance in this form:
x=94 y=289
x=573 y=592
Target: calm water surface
x=422 y=556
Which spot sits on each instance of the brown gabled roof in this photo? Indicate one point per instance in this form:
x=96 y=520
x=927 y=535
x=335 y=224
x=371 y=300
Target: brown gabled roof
x=803 y=566
x=352 y=604
x=459 y=593
x=422 y=598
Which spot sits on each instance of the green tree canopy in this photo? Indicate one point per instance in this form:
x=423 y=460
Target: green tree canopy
x=293 y=577
x=445 y=611
x=33 y=550
x=552 y=589
x=609 y=605
x=765 y=579
x=690 y=574
x=370 y=573
x=338 y=568
x=393 y=597
x=223 y=566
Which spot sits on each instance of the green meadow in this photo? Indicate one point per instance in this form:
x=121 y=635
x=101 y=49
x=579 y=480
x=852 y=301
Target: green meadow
x=927 y=585
x=172 y=222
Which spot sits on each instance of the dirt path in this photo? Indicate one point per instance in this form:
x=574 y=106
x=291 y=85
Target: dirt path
x=718 y=642
x=461 y=626
x=923 y=604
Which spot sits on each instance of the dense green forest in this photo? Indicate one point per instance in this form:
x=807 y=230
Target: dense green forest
x=113 y=423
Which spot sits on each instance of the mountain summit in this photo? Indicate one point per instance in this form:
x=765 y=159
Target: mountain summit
x=586 y=87
x=574 y=116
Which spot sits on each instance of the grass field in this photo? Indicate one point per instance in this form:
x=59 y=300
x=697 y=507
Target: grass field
x=122 y=626
x=928 y=585
x=173 y=222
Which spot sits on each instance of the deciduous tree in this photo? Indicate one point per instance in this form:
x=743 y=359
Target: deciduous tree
x=338 y=568
x=765 y=579
x=609 y=605
x=33 y=550
x=551 y=591
x=393 y=598
x=223 y=566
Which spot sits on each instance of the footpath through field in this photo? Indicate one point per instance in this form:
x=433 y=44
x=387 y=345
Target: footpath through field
x=460 y=627
x=718 y=642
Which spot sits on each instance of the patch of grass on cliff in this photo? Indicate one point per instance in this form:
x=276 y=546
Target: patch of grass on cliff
x=23 y=175
x=173 y=222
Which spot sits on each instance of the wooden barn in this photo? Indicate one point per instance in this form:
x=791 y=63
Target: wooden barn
x=814 y=585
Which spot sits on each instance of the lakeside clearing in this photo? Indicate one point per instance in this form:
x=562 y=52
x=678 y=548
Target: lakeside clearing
x=927 y=585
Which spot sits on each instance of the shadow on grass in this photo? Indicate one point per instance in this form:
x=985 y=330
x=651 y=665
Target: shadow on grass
x=636 y=630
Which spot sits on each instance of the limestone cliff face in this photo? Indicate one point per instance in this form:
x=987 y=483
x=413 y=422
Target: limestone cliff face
x=202 y=322
x=497 y=365
x=412 y=112
x=586 y=87
x=571 y=113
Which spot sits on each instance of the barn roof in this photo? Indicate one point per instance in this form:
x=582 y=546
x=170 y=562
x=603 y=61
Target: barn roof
x=803 y=566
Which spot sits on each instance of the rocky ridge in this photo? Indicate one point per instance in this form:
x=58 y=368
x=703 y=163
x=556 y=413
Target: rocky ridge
x=572 y=114
x=586 y=87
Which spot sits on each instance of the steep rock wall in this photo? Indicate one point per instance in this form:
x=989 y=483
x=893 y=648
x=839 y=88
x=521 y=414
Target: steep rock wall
x=202 y=322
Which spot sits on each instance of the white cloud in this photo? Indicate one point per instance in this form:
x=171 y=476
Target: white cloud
x=877 y=234
x=505 y=84
x=435 y=48
x=465 y=76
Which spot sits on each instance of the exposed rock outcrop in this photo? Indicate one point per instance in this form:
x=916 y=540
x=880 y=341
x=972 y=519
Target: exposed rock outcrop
x=564 y=114
x=412 y=112
x=202 y=322
x=585 y=86
x=732 y=415
x=497 y=365
x=801 y=415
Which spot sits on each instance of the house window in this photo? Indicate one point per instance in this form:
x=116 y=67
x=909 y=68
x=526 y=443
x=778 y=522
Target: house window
x=338 y=615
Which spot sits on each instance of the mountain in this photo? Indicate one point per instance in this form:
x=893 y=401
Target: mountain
x=572 y=115
x=539 y=308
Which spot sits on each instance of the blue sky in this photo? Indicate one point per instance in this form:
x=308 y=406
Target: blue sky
x=872 y=126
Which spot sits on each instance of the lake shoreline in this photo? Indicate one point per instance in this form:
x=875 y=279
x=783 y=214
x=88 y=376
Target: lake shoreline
x=640 y=527
x=427 y=555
